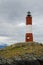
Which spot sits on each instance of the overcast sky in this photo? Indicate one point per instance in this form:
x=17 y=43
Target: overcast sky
x=12 y=20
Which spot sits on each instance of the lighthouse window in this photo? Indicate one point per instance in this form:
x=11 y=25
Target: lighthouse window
x=27 y=37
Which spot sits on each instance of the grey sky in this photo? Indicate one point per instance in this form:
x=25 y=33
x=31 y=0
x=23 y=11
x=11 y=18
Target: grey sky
x=12 y=19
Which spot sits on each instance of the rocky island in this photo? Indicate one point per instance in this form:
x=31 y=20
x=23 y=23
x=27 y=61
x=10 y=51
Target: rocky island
x=30 y=53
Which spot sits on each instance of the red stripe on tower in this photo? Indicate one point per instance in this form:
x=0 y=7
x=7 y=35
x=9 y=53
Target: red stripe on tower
x=29 y=35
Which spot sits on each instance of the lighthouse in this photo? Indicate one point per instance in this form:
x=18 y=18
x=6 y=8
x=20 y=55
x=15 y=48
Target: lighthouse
x=29 y=35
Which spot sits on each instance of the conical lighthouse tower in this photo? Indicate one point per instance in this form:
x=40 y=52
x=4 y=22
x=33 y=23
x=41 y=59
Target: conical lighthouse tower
x=29 y=35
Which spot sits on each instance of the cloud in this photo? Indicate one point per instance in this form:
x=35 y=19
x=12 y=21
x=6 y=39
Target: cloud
x=7 y=40
x=12 y=19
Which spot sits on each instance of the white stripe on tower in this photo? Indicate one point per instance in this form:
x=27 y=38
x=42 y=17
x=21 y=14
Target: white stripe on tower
x=28 y=28
x=29 y=35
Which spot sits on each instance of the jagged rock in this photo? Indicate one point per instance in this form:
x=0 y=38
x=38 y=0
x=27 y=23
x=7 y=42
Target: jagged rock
x=20 y=62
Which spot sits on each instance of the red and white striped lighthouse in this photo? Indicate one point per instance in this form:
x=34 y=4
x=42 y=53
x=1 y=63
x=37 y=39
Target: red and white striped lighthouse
x=29 y=35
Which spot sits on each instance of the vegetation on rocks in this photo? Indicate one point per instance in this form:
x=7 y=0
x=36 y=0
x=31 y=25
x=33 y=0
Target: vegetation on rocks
x=22 y=49
x=30 y=51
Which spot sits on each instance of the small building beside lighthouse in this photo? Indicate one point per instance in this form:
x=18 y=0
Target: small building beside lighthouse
x=29 y=34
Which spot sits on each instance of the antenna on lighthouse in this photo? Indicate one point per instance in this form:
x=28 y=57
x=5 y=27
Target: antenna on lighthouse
x=29 y=35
